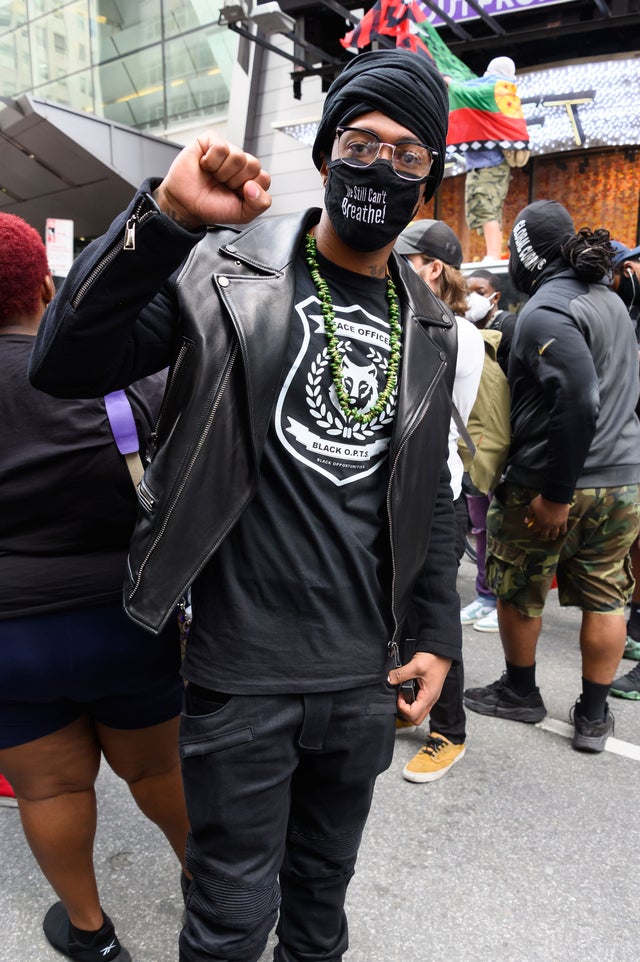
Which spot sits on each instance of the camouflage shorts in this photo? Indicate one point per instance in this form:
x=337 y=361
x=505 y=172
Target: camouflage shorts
x=485 y=191
x=591 y=562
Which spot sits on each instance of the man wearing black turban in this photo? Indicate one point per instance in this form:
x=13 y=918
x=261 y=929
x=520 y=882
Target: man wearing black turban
x=297 y=485
x=408 y=89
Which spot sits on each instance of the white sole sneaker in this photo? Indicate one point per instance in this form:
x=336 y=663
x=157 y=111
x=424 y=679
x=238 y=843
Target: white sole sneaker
x=473 y=612
x=488 y=624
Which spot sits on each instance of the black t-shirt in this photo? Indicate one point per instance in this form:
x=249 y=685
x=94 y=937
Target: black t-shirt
x=297 y=598
x=67 y=503
x=506 y=322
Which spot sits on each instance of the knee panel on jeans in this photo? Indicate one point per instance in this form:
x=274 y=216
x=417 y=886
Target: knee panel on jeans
x=317 y=855
x=228 y=903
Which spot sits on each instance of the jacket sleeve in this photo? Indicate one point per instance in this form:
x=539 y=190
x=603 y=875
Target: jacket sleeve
x=114 y=319
x=435 y=619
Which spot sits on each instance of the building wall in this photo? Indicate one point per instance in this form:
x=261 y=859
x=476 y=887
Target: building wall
x=261 y=95
x=295 y=181
x=598 y=188
x=150 y=64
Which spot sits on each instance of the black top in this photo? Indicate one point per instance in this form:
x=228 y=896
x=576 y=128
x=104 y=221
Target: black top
x=67 y=504
x=297 y=598
x=505 y=322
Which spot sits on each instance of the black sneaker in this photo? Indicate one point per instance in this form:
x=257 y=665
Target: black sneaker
x=591 y=736
x=628 y=686
x=501 y=701
x=104 y=947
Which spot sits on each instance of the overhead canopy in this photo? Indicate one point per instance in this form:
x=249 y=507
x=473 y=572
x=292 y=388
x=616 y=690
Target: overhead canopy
x=532 y=32
x=58 y=162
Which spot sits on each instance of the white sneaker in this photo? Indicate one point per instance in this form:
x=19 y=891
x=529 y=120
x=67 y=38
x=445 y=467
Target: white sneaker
x=489 y=622
x=474 y=611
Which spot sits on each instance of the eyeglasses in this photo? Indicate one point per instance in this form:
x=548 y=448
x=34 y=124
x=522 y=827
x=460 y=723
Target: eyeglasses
x=360 y=148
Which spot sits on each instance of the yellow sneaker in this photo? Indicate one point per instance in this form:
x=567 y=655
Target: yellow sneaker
x=434 y=759
x=403 y=725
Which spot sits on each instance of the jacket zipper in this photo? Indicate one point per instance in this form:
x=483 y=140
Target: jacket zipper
x=187 y=472
x=392 y=647
x=127 y=243
x=152 y=441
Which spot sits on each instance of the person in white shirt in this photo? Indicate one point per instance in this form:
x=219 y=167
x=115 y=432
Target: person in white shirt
x=436 y=254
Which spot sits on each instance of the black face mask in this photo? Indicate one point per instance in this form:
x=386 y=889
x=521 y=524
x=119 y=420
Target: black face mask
x=629 y=289
x=369 y=206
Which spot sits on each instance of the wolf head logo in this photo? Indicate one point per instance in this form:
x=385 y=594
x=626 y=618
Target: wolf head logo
x=360 y=383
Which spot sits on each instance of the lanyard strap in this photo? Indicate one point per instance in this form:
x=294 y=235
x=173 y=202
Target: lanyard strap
x=123 y=428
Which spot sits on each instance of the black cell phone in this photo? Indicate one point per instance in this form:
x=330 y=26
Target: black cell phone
x=408 y=689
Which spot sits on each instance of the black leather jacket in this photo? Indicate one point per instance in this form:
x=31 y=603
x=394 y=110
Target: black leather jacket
x=216 y=308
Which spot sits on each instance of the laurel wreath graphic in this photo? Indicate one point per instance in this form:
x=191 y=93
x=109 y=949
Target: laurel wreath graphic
x=334 y=422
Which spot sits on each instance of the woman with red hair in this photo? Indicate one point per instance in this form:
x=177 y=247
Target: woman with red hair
x=78 y=680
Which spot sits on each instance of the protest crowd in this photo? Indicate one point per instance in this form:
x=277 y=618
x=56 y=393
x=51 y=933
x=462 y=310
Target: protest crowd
x=281 y=434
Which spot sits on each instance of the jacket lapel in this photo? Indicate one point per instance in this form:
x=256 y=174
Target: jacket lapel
x=259 y=292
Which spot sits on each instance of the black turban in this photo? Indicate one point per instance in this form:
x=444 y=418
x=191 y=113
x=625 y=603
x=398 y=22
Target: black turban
x=404 y=86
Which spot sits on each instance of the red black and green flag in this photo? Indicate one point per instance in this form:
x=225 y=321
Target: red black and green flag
x=407 y=22
x=483 y=111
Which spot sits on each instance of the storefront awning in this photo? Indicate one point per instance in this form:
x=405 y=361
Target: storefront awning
x=58 y=162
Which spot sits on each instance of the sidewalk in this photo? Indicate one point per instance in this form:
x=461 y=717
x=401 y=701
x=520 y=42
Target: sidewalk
x=526 y=851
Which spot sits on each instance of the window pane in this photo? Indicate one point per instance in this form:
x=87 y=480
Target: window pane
x=15 y=63
x=12 y=14
x=110 y=57
x=183 y=15
x=60 y=44
x=131 y=90
x=75 y=91
x=198 y=73
x=123 y=26
x=38 y=7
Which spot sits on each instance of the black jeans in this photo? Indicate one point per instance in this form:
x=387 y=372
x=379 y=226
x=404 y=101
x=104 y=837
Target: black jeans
x=447 y=716
x=278 y=791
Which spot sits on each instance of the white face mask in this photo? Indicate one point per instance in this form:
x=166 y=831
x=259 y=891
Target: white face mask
x=478 y=307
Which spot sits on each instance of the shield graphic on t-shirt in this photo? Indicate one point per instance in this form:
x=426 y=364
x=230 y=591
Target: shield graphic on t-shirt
x=309 y=420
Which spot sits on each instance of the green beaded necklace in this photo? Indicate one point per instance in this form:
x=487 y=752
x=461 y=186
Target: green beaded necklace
x=395 y=332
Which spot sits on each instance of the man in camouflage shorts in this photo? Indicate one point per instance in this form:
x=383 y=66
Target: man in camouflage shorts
x=485 y=191
x=568 y=502
x=591 y=562
x=488 y=174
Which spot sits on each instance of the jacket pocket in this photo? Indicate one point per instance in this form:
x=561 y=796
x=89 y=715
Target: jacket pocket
x=173 y=383
x=146 y=499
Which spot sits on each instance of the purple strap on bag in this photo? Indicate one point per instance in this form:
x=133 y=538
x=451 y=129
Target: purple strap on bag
x=123 y=425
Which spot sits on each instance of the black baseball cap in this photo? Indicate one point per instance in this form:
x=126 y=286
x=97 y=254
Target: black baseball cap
x=433 y=238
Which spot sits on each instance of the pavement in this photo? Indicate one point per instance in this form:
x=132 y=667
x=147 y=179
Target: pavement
x=526 y=851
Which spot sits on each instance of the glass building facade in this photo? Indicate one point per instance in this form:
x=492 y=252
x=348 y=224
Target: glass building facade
x=149 y=64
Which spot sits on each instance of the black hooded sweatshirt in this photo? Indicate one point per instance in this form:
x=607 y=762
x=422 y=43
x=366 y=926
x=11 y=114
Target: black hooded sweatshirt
x=573 y=374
